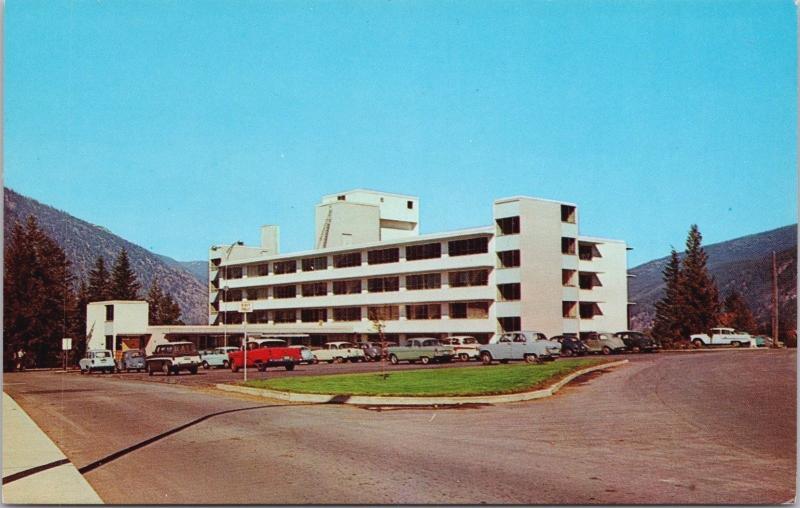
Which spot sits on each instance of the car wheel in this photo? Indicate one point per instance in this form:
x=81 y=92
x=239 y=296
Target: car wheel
x=193 y=369
x=567 y=352
x=464 y=357
x=393 y=359
x=314 y=361
x=637 y=349
x=486 y=358
x=205 y=365
x=234 y=367
x=531 y=358
x=225 y=364
x=425 y=360
x=736 y=343
x=697 y=343
x=289 y=366
x=338 y=359
x=150 y=369
x=261 y=367
x=606 y=350
x=83 y=372
x=166 y=368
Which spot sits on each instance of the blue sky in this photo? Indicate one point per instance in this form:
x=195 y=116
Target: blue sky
x=180 y=124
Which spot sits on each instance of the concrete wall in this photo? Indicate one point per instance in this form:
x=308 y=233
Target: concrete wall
x=350 y=224
x=130 y=318
x=612 y=296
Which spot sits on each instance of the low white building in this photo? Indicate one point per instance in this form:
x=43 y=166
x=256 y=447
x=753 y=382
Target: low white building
x=529 y=269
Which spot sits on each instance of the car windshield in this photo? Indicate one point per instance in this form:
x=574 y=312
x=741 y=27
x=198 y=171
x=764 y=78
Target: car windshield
x=134 y=354
x=185 y=348
x=102 y=354
x=540 y=336
x=430 y=342
x=469 y=340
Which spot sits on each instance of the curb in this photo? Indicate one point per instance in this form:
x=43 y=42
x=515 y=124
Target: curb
x=715 y=349
x=372 y=400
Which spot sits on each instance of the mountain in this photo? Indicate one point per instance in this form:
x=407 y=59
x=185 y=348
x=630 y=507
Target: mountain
x=744 y=264
x=83 y=242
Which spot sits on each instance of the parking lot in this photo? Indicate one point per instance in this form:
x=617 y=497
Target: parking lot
x=715 y=427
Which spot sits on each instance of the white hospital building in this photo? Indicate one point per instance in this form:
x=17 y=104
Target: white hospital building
x=529 y=269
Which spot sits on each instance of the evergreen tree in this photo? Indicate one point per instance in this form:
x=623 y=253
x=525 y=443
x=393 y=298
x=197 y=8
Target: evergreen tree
x=699 y=290
x=99 y=282
x=38 y=300
x=668 y=324
x=163 y=309
x=124 y=285
x=79 y=329
x=737 y=314
x=154 y=298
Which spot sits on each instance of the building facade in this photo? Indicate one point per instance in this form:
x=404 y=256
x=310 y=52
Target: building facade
x=529 y=270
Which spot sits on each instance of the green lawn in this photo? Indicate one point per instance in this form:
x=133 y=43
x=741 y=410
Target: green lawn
x=479 y=380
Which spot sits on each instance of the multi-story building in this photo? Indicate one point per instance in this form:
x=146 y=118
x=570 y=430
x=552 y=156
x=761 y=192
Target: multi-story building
x=530 y=269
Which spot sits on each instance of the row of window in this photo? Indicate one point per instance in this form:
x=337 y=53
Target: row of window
x=586 y=280
x=374 y=257
x=464 y=278
x=586 y=310
x=459 y=310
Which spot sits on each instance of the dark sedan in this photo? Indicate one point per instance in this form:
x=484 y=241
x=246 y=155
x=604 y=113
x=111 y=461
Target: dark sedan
x=637 y=342
x=571 y=345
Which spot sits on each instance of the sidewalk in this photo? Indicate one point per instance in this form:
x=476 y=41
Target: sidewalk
x=26 y=446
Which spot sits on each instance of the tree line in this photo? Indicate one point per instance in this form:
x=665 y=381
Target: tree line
x=691 y=301
x=44 y=302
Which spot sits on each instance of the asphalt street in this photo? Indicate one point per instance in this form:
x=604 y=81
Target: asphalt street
x=669 y=428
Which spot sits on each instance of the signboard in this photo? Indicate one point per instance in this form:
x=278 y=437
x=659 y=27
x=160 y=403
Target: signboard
x=66 y=344
x=245 y=307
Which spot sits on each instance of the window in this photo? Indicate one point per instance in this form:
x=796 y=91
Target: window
x=567 y=245
x=568 y=214
x=425 y=311
x=383 y=284
x=588 y=280
x=568 y=278
x=346 y=287
x=468 y=246
x=313 y=315
x=589 y=310
x=279 y=267
x=341 y=197
x=410 y=205
x=508 y=226
x=233 y=295
x=424 y=281
x=587 y=252
x=262 y=269
x=347 y=313
x=383 y=313
x=424 y=251
x=234 y=272
x=568 y=309
x=509 y=292
x=377 y=257
x=312 y=264
x=509 y=324
x=468 y=278
x=314 y=289
x=345 y=260
x=109 y=313
x=257 y=294
x=259 y=316
x=469 y=310
x=285 y=316
x=508 y=258
x=289 y=291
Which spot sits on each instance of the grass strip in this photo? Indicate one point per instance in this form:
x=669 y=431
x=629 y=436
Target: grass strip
x=457 y=381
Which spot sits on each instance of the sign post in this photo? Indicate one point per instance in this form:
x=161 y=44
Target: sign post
x=245 y=308
x=66 y=345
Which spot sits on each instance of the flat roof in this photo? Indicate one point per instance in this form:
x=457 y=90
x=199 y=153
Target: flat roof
x=370 y=191
x=532 y=198
x=481 y=231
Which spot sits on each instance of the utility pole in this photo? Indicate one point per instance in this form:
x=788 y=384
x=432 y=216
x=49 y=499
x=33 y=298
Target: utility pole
x=775 y=329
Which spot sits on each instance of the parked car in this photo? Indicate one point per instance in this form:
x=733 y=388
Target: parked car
x=372 y=350
x=306 y=356
x=172 y=358
x=721 y=337
x=571 y=345
x=263 y=353
x=97 y=359
x=132 y=359
x=509 y=346
x=763 y=341
x=339 y=352
x=217 y=357
x=553 y=346
x=637 y=342
x=423 y=350
x=466 y=347
x=605 y=343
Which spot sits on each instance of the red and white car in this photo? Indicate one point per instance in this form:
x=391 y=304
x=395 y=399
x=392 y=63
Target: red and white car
x=465 y=346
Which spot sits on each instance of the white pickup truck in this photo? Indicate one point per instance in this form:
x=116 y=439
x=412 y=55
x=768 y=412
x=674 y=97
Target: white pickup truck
x=721 y=337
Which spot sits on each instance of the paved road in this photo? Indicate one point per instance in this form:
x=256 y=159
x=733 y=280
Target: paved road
x=670 y=428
